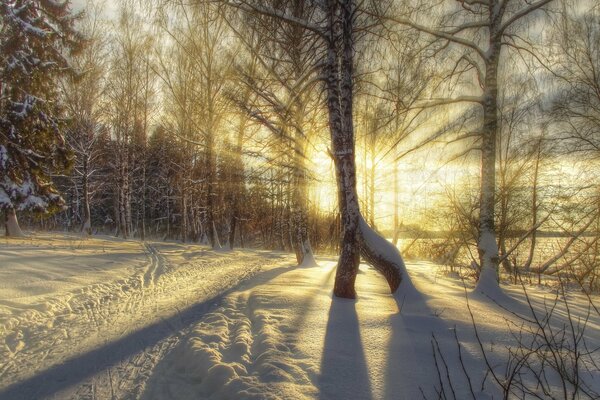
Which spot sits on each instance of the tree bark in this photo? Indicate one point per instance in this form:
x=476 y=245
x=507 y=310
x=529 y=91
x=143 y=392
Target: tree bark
x=339 y=104
x=86 y=227
x=534 y=208
x=357 y=237
x=487 y=246
x=396 y=201
x=11 y=223
x=184 y=215
x=210 y=192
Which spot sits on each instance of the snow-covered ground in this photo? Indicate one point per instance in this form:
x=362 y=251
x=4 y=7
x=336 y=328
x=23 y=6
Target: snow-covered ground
x=106 y=318
x=90 y=318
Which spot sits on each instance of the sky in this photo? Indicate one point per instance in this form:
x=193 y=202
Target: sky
x=110 y=6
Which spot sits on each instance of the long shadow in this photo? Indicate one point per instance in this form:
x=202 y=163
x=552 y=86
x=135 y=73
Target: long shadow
x=306 y=306
x=410 y=368
x=344 y=371
x=75 y=370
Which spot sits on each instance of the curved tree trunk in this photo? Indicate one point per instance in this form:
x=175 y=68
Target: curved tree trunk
x=11 y=223
x=357 y=236
x=384 y=257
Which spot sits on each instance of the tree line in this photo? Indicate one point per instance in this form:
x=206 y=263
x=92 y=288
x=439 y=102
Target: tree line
x=197 y=121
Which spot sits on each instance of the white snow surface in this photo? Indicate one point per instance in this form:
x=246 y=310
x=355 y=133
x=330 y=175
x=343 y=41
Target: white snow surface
x=89 y=318
x=108 y=318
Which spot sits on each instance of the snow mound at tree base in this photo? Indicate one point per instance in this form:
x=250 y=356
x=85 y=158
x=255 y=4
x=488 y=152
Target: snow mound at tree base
x=309 y=261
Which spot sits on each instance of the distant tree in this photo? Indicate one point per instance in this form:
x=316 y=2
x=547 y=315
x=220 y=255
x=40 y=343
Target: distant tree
x=195 y=82
x=279 y=75
x=576 y=69
x=36 y=38
x=83 y=96
x=126 y=112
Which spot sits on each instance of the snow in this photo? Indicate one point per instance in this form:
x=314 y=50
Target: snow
x=23 y=196
x=108 y=318
x=73 y=309
x=3 y=157
x=391 y=253
x=283 y=336
x=4 y=199
x=309 y=259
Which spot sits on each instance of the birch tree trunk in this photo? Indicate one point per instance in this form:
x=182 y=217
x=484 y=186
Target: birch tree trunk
x=339 y=104
x=11 y=224
x=86 y=227
x=357 y=237
x=300 y=240
x=486 y=244
x=396 y=202
x=534 y=207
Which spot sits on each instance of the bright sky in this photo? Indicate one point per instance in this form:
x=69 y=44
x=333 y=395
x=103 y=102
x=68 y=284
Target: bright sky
x=110 y=6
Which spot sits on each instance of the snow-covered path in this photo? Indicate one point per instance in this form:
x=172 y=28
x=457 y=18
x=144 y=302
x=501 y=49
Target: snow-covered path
x=90 y=319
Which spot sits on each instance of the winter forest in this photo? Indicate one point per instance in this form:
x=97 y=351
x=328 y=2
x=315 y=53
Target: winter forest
x=300 y=199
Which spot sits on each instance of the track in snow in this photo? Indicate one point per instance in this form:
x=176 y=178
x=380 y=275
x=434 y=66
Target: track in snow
x=109 y=336
x=156 y=265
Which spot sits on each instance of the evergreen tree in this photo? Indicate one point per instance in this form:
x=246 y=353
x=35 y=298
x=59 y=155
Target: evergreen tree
x=36 y=39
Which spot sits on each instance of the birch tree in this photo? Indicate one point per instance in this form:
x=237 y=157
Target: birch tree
x=483 y=31
x=333 y=23
x=201 y=36
x=279 y=73
x=576 y=70
x=83 y=102
x=127 y=102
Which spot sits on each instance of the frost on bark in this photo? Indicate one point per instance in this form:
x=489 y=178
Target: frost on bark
x=11 y=224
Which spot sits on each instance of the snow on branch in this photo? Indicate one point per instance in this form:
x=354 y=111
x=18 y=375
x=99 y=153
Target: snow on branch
x=385 y=258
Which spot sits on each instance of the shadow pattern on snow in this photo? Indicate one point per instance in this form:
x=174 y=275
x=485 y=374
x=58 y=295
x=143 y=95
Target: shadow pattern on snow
x=344 y=371
x=75 y=370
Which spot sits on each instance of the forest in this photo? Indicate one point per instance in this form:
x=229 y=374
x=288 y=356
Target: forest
x=408 y=140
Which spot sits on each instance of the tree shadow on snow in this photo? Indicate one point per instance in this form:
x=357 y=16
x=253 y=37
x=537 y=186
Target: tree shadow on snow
x=417 y=331
x=344 y=372
x=76 y=370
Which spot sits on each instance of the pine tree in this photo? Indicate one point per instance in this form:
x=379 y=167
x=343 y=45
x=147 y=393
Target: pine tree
x=36 y=39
